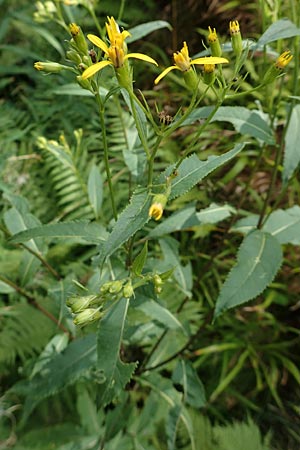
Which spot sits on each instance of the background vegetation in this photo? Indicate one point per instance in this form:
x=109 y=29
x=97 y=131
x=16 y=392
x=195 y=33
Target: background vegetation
x=235 y=383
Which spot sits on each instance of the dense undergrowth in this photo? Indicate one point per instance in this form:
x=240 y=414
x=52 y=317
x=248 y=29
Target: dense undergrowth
x=117 y=330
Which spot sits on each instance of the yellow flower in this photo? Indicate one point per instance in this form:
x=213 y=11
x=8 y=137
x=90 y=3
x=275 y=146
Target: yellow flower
x=283 y=60
x=183 y=62
x=234 y=27
x=156 y=211
x=212 y=35
x=116 y=53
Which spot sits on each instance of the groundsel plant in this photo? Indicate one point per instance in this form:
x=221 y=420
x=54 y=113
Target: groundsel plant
x=88 y=57
x=134 y=264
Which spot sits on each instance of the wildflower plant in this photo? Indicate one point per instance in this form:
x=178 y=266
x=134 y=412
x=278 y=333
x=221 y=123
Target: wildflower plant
x=137 y=289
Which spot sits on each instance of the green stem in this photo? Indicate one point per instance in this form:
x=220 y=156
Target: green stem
x=106 y=160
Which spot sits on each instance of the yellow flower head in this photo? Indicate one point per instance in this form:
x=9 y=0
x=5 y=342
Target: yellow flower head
x=183 y=62
x=234 y=27
x=74 y=29
x=156 y=211
x=116 y=53
x=283 y=60
x=212 y=35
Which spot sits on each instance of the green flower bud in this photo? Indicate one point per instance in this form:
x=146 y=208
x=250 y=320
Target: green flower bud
x=85 y=84
x=214 y=43
x=78 y=304
x=128 y=290
x=73 y=56
x=49 y=67
x=79 y=38
x=236 y=37
x=115 y=287
x=157 y=280
x=87 y=316
x=209 y=73
x=191 y=79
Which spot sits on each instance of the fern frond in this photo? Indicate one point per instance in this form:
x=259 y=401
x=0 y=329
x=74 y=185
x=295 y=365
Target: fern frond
x=24 y=331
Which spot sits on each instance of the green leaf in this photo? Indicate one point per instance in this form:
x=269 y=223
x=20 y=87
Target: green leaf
x=64 y=369
x=144 y=29
x=89 y=232
x=132 y=219
x=140 y=260
x=258 y=260
x=95 y=190
x=283 y=224
x=158 y=313
x=172 y=426
x=214 y=213
x=16 y=222
x=109 y=341
x=281 y=29
x=164 y=388
x=245 y=121
x=179 y=220
x=185 y=375
x=292 y=150
x=192 y=170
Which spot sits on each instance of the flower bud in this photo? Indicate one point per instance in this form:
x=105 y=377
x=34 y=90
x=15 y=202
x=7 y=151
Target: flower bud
x=79 y=38
x=209 y=73
x=115 y=287
x=157 y=208
x=49 y=67
x=85 y=84
x=78 y=304
x=191 y=79
x=128 y=290
x=214 y=42
x=236 y=37
x=157 y=280
x=276 y=69
x=87 y=316
x=73 y=56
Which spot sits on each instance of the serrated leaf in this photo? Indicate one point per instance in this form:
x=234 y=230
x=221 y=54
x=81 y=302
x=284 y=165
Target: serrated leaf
x=282 y=224
x=144 y=29
x=179 y=220
x=64 y=369
x=95 y=190
x=185 y=375
x=132 y=219
x=109 y=341
x=192 y=170
x=258 y=261
x=89 y=232
x=16 y=222
x=140 y=260
x=291 y=158
x=245 y=121
x=281 y=29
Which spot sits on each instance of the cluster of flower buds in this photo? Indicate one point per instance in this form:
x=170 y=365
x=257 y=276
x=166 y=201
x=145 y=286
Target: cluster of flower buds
x=45 y=11
x=122 y=288
x=86 y=309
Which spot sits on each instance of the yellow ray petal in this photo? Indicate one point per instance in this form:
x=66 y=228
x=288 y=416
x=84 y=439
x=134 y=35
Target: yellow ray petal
x=209 y=60
x=90 y=71
x=98 y=42
x=164 y=73
x=142 y=57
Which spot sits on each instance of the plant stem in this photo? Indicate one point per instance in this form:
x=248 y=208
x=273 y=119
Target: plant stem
x=106 y=160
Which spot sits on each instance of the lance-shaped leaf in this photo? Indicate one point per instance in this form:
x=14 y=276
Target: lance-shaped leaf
x=192 y=170
x=245 y=121
x=109 y=341
x=89 y=232
x=144 y=29
x=140 y=260
x=292 y=148
x=258 y=260
x=95 y=190
x=132 y=219
x=185 y=375
x=281 y=29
